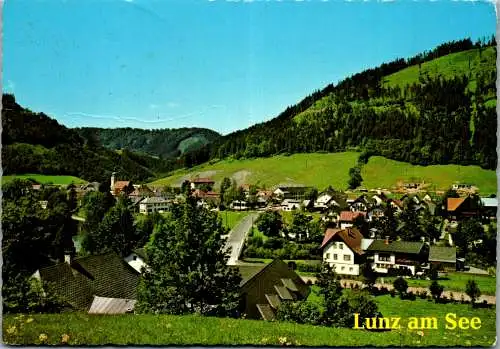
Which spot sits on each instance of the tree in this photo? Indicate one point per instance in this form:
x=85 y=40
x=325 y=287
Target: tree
x=467 y=232
x=331 y=291
x=188 y=270
x=355 y=177
x=270 y=224
x=300 y=225
x=224 y=186
x=473 y=291
x=369 y=275
x=116 y=232
x=401 y=286
x=436 y=290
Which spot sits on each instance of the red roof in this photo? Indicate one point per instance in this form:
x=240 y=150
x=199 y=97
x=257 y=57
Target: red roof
x=351 y=236
x=349 y=216
x=121 y=184
x=202 y=180
x=453 y=203
x=208 y=194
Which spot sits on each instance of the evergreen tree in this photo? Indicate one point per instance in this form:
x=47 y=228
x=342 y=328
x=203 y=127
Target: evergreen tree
x=473 y=291
x=188 y=270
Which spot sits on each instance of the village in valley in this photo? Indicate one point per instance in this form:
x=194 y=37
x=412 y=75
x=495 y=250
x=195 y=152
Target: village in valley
x=249 y=173
x=363 y=235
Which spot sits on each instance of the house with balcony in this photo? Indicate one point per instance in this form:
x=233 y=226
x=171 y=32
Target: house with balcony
x=154 y=204
x=387 y=255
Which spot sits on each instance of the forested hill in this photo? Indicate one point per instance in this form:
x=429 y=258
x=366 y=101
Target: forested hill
x=166 y=143
x=435 y=108
x=35 y=143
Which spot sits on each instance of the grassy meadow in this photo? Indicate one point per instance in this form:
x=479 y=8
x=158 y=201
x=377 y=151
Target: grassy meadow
x=448 y=66
x=46 y=179
x=385 y=173
x=319 y=170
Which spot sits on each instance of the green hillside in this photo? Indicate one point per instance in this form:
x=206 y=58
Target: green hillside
x=480 y=60
x=436 y=108
x=167 y=143
x=322 y=170
x=385 y=173
x=45 y=179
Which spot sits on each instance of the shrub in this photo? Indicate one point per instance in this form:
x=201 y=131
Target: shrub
x=473 y=291
x=400 y=285
x=310 y=268
x=436 y=290
x=392 y=293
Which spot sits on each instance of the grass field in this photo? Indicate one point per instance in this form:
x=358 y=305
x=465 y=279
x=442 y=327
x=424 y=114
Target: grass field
x=45 y=179
x=231 y=218
x=319 y=170
x=449 y=66
x=454 y=282
x=322 y=170
x=384 y=173
x=84 y=329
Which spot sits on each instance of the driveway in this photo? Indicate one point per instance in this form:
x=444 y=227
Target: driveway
x=237 y=236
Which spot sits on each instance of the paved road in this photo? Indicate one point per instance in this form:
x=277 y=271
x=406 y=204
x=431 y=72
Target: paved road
x=457 y=295
x=237 y=237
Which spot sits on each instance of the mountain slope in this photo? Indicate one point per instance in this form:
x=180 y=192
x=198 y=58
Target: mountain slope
x=34 y=143
x=434 y=108
x=166 y=143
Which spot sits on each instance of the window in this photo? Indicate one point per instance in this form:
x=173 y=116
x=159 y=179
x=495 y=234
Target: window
x=347 y=257
x=327 y=256
x=384 y=257
x=342 y=268
x=350 y=269
x=334 y=245
x=335 y=257
x=341 y=245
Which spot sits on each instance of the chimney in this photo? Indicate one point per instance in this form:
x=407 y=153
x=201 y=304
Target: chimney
x=113 y=180
x=386 y=241
x=67 y=258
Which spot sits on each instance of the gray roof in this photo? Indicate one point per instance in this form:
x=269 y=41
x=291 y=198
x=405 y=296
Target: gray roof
x=443 y=254
x=105 y=305
x=396 y=246
x=154 y=200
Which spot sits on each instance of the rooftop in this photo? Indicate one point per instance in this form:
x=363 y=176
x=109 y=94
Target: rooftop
x=409 y=247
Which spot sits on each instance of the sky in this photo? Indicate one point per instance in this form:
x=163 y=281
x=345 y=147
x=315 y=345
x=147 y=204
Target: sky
x=220 y=64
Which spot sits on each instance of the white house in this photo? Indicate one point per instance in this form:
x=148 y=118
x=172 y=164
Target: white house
x=153 y=204
x=342 y=250
x=398 y=255
x=290 y=205
x=136 y=259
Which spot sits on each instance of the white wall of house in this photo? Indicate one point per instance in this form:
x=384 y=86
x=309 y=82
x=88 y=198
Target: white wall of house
x=135 y=261
x=147 y=208
x=382 y=262
x=337 y=254
x=344 y=225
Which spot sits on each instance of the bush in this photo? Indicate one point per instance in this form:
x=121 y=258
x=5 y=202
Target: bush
x=309 y=268
x=392 y=293
x=302 y=312
x=400 y=285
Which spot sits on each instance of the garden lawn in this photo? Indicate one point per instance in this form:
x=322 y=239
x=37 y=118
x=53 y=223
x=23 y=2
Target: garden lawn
x=45 y=179
x=384 y=173
x=454 y=282
x=231 y=218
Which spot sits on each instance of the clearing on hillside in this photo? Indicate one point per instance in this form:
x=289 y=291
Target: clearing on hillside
x=45 y=179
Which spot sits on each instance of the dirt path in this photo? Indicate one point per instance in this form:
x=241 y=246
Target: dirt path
x=457 y=295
